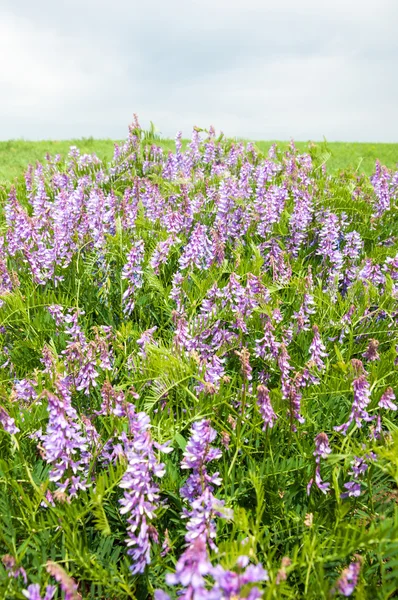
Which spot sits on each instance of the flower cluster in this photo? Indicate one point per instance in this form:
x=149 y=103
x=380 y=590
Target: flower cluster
x=199 y=486
x=361 y=400
x=64 y=445
x=133 y=273
x=359 y=466
x=141 y=495
x=67 y=585
x=348 y=579
x=194 y=564
x=265 y=407
x=322 y=449
x=7 y=422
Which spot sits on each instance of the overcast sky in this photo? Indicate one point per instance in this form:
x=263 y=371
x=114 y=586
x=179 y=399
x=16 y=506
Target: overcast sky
x=257 y=69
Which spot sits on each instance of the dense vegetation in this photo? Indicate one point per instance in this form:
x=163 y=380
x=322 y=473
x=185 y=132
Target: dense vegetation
x=198 y=375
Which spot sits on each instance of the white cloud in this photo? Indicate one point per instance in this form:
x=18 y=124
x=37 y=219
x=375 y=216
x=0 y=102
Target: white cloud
x=261 y=70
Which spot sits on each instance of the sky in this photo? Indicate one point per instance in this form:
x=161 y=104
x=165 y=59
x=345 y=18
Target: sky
x=255 y=69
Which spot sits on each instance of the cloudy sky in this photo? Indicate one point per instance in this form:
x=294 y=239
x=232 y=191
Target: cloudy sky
x=258 y=69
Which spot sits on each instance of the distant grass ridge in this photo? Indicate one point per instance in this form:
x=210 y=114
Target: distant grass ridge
x=15 y=155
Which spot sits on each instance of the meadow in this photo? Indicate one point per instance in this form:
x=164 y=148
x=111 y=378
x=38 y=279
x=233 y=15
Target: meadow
x=199 y=357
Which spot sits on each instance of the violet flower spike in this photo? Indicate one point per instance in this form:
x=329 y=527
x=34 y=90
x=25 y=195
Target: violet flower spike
x=386 y=401
x=141 y=496
x=194 y=562
x=265 y=407
x=7 y=422
x=11 y=567
x=133 y=273
x=348 y=579
x=64 y=444
x=371 y=353
x=359 y=405
x=67 y=584
x=353 y=490
x=322 y=449
x=317 y=350
x=33 y=592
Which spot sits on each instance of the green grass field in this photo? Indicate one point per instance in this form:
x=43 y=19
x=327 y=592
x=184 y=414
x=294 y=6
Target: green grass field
x=15 y=155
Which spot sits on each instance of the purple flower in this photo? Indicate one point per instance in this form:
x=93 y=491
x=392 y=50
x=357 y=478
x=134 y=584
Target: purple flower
x=386 y=401
x=152 y=201
x=322 y=449
x=243 y=300
x=162 y=251
x=352 y=251
x=371 y=353
x=276 y=261
x=7 y=422
x=182 y=337
x=269 y=205
x=194 y=562
x=177 y=293
x=353 y=245
x=198 y=452
x=302 y=317
x=161 y=595
x=229 y=222
x=81 y=356
x=146 y=339
x=6 y=284
x=199 y=250
x=67 y=584
x=346 y=321
x=87 y=375
x=267 y=347
x=230 y=585
x=191 y=569
x=166 y=545
x=373 y=273
x=141 y=496
x=291 y=391
x=265 y=407
x=317 y=350
x=353 y=490
x=212 y=370
x=10 y=565
x=130 y=206
x=329 y=247
x=348 y=579
x=359 y=405
x=24 y=390
x=359 y=467
x=113 y=402
x=64 y=444
x=133 y=273
x=194 y=566
x=33 y=592
x=285 y=368
x=300 y=219
x=244 y=357
x=383 y=186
